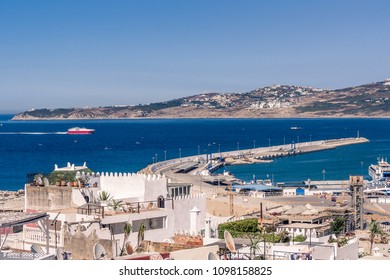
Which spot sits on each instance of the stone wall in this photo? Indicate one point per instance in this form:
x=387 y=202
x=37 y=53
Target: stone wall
x=48 y=198
x=81 y=245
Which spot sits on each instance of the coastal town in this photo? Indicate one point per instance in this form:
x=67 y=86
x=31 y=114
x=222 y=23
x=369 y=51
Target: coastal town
x=184 y=209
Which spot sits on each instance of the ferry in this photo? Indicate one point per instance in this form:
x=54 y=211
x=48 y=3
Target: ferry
x=80 y=130
x=380 y=171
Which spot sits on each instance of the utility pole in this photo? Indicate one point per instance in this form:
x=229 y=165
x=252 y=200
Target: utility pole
x=54 y=222
x=231 y=199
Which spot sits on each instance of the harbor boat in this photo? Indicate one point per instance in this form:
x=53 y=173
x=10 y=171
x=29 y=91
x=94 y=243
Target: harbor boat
x=380 y=171
x=80 y=130
x=295 y=128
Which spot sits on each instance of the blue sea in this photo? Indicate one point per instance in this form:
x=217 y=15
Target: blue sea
x=130 y=145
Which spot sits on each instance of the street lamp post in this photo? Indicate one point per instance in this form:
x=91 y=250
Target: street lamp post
x=179 y=152
x=323 y=175
x=165 y=155
x=238 y=146
x=269 y=142
x=254 y=144
x=156 y=157
x=198 y=150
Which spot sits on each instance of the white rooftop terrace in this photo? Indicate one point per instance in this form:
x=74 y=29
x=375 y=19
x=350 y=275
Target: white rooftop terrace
x=70 y=167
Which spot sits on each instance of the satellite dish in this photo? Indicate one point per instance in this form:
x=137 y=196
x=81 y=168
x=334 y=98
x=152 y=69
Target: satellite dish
x=229 y=241
x=36 y=249
x=168 y=240
x=99 y=253
x=212 y=257
x=60 y=253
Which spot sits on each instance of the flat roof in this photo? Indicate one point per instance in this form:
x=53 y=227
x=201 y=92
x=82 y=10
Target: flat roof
x=126 y=217
x=304 y=226
x=8 y=219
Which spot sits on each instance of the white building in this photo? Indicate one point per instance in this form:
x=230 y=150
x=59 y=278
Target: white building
x=144 y=201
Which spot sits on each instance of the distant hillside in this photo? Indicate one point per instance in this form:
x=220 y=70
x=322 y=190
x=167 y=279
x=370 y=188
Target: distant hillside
x=279 y=101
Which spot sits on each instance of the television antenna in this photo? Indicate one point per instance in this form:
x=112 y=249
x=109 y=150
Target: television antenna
x=54 y=222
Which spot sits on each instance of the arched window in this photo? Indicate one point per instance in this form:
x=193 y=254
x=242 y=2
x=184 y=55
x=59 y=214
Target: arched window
x=160 y=202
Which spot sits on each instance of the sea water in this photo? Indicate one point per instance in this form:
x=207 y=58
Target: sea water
x=130 y=145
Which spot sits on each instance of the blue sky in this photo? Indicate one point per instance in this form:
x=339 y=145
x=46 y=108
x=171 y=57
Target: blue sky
x=95 y=53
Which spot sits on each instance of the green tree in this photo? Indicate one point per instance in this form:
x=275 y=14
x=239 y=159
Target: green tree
x=374 y=230
x=338 y=225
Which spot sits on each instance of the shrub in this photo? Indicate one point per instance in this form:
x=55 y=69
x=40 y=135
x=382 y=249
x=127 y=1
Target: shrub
x=239 y=228
x=299 y=238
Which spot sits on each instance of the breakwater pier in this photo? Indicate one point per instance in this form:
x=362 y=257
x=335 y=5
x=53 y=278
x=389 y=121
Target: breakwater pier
x=206 y=164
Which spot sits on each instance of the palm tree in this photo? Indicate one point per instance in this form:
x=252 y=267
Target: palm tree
x=253 y=247
x=116 y=204
x=141 y=234
x=374 y=230
x=104 y=196
x=126 y=231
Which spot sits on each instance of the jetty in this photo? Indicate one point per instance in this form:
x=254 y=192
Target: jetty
x=213 y=161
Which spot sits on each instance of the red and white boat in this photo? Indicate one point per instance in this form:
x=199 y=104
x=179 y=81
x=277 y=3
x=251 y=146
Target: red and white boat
x=80 y=130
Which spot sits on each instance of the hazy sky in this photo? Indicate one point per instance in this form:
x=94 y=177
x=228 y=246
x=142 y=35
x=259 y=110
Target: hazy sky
x=95 y=53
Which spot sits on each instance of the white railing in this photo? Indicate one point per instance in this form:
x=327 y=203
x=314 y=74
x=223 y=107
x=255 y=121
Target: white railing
x=37 y=236
x=14 y=241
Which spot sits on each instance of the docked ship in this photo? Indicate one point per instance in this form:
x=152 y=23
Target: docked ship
x=380 y=171
x=80 y=130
